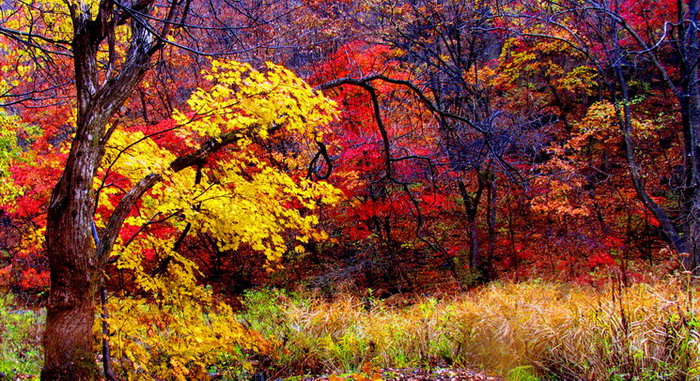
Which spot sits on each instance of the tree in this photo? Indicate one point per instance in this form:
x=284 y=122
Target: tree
x=626 y=41
x=111 y=45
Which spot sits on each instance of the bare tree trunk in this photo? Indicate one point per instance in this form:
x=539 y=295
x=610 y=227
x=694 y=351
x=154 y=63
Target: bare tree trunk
x=689 y=52
x=73 y=262
x=471 y=209
x=73 y=258
x=491 y=210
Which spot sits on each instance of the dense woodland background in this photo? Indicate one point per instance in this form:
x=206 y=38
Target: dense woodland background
x=500 y=151
x=438 y=146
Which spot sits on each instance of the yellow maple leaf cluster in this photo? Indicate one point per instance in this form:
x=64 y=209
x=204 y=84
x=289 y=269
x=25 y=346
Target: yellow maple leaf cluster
x=175 y=330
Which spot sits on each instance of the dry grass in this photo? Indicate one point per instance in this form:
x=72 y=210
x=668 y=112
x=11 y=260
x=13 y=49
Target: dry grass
x=526 y=331
x=565 y=332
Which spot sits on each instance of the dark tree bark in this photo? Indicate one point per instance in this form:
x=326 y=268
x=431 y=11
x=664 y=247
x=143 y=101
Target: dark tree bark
x=689 y=96
x=75 y=262
x=491 y=210
x=471 y=210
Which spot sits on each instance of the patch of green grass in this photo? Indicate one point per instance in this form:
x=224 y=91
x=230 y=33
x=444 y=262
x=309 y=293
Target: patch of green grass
x=522 y=373
x=20 y=340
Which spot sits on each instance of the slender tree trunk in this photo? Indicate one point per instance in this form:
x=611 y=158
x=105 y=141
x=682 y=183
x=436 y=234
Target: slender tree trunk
x=491 y=210
x=690 y=112
x=474 y=254
x=513 y=248
x=622 y=100
x=471 y=209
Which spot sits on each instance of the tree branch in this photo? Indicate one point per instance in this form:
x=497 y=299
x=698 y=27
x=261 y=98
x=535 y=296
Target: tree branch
x=128 y=201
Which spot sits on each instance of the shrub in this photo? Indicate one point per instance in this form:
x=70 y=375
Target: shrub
x=178 y=333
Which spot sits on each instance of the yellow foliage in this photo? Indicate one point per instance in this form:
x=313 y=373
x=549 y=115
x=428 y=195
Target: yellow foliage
x=8 y=151
x=176 y=331
x=242 y=199
x=245 y=100
x=602 y=123
x=178 y=340
x=138 y=155
x=528 y=73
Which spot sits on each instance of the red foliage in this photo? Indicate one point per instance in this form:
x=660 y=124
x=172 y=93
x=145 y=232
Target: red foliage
x=600 y=259
x=31 y=280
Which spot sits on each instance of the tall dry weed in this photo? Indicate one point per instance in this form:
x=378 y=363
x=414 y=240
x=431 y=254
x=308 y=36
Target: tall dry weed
x=562 y=331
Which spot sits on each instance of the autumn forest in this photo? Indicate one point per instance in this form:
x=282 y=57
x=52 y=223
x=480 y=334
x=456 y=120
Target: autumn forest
x=349 y=189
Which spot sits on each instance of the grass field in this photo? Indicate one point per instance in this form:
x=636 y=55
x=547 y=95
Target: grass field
x=523 y=331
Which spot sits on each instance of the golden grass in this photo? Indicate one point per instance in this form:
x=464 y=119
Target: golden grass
x=644 y=332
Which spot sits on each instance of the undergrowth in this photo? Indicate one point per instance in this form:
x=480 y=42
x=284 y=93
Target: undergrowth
x=20 y=340
x=526 y=331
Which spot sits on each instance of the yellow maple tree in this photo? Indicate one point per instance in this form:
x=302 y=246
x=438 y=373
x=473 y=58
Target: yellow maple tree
x=174 y=329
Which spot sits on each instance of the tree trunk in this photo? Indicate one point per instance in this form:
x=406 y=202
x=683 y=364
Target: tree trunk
x=68 y=346
x=622 y=100
x=491 y=210
x=74 y=261
x=471 y=209
x=690 y=112
x=68 y=342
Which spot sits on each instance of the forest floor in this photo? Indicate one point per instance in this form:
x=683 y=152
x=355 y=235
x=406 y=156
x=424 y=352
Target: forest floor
x=516 y=331
x=419 y=374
